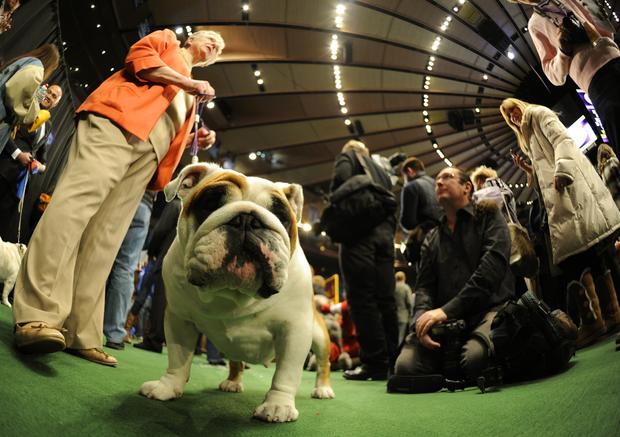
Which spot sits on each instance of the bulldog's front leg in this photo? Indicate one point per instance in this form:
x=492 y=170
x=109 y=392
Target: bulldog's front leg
x=291 y=350
x=181 y=338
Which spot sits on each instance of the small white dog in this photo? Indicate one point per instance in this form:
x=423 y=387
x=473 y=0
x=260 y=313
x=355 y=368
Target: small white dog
x=10 y=259
x=237 y=273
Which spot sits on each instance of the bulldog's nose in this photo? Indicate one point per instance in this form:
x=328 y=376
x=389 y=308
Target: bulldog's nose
x=245 y=221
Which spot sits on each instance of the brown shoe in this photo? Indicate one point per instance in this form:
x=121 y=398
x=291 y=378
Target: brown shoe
x=95 y=355
x=38 y=338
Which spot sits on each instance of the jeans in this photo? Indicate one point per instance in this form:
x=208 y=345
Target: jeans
x=120 y=283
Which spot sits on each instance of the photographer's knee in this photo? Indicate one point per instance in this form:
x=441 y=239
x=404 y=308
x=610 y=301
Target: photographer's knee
x=474 y=357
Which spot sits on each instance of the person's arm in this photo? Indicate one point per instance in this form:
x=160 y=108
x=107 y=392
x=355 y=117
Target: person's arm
x=409 y=207
x=545 y=36
x=20 y=94
x=343 y=170
x=144 y=62
x=565 y=149
x=167 y=223
x=490 y=272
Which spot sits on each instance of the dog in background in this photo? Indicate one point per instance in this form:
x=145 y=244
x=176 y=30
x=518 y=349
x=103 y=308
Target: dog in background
x=11 y=255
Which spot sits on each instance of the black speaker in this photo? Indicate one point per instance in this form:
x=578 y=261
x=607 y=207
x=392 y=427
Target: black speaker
x=468 y=116
x=359 y=128
x=455 y=120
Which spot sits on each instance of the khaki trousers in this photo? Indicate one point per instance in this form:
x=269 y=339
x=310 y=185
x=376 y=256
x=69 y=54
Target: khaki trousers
x=63 y=273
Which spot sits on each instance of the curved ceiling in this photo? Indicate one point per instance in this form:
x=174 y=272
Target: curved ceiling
x=383 y=50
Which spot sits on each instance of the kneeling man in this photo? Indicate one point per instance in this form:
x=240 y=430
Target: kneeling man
x=464 y=274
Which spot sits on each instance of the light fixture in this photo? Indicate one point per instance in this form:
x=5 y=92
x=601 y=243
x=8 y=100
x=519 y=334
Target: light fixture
x=344 y=110
x=111 y=68
x=257 y=73
x=510 y=54
x=103 y=52
x=92 y=6
x=178 y=30
x=76 y=69
x=485 y=77
x=477 y=109
x=260 y=81
x=245 y=7
x=440 y=153
x=435 y=146
x=429 y=129
x=252 y=156
x=98 y=26
x=340 y=8
x=347 y=121
x=425 y=113
x=210 y=105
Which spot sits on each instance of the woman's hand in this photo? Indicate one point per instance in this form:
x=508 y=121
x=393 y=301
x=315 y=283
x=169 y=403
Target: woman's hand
x=521 y=163
x=561 y=182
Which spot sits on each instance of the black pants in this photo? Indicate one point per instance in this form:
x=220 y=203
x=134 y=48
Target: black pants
x=368 y=270
x=155 y=333
x=604 y=92
x=8 y=211
x=416 y=360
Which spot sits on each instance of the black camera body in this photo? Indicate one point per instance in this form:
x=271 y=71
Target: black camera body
x=451 y=334
x=573 y=31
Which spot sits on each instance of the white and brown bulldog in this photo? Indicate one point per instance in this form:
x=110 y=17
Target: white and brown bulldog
x=236 y=273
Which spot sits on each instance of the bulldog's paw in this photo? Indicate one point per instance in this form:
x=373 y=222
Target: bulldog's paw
x=6 y=303
x=323 y=392
x=159 y=390
x=278 y=407
x=231 y=386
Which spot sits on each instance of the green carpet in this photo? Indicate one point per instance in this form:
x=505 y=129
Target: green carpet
x=61 y=395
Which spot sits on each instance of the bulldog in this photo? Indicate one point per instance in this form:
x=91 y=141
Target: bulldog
x=237 y=273
x=11 y=255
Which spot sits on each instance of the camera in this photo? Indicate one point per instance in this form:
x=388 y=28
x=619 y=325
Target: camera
x=451 y=334
x=573 y=31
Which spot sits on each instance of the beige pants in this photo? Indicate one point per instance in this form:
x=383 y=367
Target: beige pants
x=63 y=273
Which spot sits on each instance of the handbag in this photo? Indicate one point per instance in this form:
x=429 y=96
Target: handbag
x=356 y=207
x=523 y=259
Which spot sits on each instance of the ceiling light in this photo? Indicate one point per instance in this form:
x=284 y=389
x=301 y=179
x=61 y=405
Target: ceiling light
x=245 y=7
x=252 y=156
x=103 y=52
x=425 y=96
x=448 y=162
x=455 y=9
x=338 y=86
x=426 y=119
x=435 y=146
x=461 y=2
x=510 y=55
x=188 y=28
x=344 y=110
x=210 y=105
x=92 y=6
x=424 y=112
x=86 y=85
x=64 y=43
x=440 y=153
x=260 y=81
x=76 y=69
x=477 y=109
x=347 y=122
x=340 y=8
x=112 y=69
x=98 y=26
x=426 y=87
x=449 y=18
x=257 y=73
x=429 y=68
x=429 y=129
x=178 y=30
x=425 y=104
x=340 y=95
x=307 y=227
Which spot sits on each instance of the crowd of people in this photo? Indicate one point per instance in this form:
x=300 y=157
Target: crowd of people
x=130 y=135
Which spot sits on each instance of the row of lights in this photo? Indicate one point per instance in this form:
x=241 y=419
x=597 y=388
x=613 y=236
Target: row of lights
x=335 y=52
x=259 y=78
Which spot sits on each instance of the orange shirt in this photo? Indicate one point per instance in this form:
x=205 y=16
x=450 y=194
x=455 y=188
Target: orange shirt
x=136 y=105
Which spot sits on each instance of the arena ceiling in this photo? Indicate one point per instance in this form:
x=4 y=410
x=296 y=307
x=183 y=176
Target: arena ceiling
x=412 y=74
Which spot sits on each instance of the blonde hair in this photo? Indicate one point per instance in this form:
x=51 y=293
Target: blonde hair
x=505 y=108
x=482 y=172
x=356 y=146
x=603 y=154
x=400 y=276
x=208 y=35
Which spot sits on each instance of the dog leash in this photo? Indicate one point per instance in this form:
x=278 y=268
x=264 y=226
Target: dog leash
x=197 y=122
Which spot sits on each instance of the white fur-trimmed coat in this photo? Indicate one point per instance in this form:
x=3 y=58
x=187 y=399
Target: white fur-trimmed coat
x=585 y=213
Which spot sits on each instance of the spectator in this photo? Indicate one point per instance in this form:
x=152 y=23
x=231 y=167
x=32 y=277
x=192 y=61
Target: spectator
x=609 y=168
x=582 y=215
x=419 y=211
x=464 y=274
x=20 y=79
x=485 y=177
x=29 y=146
x=120 y=283
x=576 y=38
x=131 y=133
x=404 y=304
x=368 y=269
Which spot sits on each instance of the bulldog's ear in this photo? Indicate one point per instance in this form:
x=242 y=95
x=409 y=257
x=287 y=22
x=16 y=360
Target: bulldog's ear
x=295 y=195
x=187 y=179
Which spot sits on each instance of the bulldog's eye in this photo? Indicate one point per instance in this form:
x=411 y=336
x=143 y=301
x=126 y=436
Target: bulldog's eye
x=279 y=209
x=207 y=202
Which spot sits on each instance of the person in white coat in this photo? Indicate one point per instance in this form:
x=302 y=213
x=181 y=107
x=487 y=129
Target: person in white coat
x=583 y=218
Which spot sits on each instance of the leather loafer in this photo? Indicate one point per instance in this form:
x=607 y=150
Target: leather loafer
x=38 y=338
x=363 y=373
x=95 y=355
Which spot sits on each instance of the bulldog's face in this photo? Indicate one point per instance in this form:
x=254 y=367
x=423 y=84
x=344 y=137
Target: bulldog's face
x=236 y=232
